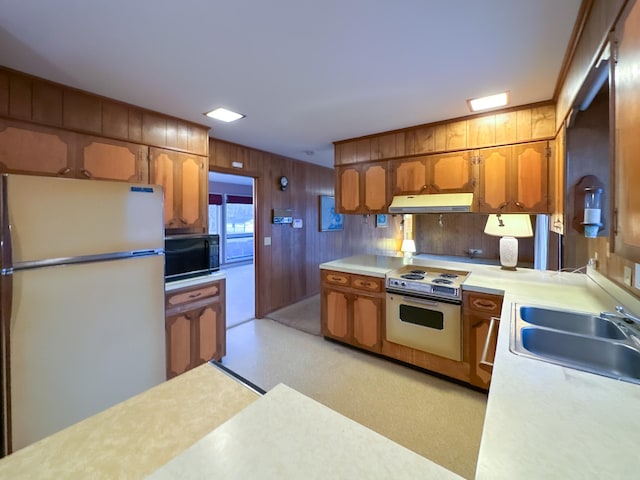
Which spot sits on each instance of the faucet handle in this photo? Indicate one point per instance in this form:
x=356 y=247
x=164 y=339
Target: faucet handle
x=627 y=315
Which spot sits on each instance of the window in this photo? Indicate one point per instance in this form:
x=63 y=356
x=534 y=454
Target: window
x=231 y=217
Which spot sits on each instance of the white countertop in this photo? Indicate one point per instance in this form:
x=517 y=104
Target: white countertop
x=286 y=435
x=545 y=420
x=190 y=282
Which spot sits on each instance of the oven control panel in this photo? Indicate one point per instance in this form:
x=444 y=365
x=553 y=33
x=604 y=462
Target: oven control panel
x=409 y=286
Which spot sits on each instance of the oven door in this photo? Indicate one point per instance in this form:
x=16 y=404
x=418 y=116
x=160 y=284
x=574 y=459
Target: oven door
x=429 y=325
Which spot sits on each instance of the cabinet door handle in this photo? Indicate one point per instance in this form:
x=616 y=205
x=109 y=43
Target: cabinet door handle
x=86 y=173
x=195 y=295
x=485 y=350
x=64 y=171
x=519 y=205
x=486 y=304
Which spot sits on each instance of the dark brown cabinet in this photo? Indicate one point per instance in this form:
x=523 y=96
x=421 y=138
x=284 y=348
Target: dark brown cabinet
x=195 y=326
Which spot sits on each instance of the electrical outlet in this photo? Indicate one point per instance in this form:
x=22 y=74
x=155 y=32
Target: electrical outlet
x=636 y=277
x=627 y=276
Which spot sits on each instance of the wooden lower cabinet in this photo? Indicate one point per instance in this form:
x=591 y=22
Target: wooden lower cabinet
x=481 y=318
x=353 y=312
x=353 y=309
x=195 y=326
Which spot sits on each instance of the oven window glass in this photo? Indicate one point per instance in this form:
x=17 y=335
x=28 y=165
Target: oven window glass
x=422 y=316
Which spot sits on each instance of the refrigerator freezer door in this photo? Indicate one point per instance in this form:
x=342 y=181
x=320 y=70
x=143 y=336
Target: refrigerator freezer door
x=58 y=217
x=83 y=338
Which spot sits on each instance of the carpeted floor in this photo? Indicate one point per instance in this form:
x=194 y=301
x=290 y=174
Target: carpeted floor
x=435 y=418
x=303 y=316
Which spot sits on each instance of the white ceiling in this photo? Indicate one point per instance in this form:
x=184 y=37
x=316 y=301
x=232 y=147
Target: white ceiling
x=304 y=72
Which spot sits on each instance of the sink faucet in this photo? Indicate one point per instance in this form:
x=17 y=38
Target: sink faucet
x=622 y=315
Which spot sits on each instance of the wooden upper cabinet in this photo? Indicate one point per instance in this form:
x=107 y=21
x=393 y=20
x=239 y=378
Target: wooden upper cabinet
x=529 y=179
x=439 y=173
x=389 y=145
x=362 y=188
x=103 y=159
x=450 y=173
x=514 y=179
x=409 y=175
x=627 y=140
x=375 y=188
x=35 y=150
x=184 y=178
x=348 y=189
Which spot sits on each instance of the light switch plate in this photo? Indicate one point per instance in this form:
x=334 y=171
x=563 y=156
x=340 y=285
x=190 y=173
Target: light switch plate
x=636 y=277
x=267 y=241
x=627 y=276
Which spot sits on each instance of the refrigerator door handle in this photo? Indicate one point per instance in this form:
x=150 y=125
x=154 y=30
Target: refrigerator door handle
x=6 y=252
x=6 y=300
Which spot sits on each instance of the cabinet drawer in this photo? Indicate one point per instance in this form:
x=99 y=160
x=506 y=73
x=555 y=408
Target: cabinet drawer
x=483 y=303
x=337 y=278
x=369 y=284
x=193 y=294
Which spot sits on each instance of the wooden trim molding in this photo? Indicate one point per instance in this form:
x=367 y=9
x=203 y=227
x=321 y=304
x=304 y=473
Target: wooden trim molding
x=38 y=101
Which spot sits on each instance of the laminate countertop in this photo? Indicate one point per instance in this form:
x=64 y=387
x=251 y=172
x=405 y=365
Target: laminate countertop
x=205 y=424
x=545 y=420
x=135 y=437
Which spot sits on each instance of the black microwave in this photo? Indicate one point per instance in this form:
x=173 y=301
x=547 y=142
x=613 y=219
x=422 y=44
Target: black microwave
x=190 y=256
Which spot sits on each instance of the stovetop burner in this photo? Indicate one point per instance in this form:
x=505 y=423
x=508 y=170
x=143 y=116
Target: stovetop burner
x=442 y=281
x=427 y=281
x=412 y=276
x=449 y=275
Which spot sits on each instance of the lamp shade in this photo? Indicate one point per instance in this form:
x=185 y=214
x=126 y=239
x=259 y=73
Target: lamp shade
x=509 y=225
x=408 y=246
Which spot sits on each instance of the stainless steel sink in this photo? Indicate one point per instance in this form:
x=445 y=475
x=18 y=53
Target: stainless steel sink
x=612 y=359
x=576 y=322
x=582 y=341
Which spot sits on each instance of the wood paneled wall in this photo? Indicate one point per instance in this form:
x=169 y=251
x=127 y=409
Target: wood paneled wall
x=288 y=270
x=32 y=99
x=455 y=233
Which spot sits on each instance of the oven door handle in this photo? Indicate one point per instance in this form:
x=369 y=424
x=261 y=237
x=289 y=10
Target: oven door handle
x=422 y=301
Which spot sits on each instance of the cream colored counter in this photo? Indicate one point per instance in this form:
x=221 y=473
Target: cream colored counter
x=544 y=420
x=135 y=437
x=286 y=435
x=190 y=282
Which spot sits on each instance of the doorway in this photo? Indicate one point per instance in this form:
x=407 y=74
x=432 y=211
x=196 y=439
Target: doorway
x=232 y=216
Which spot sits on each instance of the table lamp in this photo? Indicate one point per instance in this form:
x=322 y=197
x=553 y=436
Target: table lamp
x=509 y=227
x=408 y=247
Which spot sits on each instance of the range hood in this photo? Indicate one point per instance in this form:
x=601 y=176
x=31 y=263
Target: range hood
x=432 y=203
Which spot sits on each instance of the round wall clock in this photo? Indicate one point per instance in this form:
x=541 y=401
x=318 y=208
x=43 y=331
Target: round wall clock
x=283 y=183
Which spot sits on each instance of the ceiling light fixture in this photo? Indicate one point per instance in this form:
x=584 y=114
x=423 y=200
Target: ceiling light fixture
x=224 y=115
x=490 y=101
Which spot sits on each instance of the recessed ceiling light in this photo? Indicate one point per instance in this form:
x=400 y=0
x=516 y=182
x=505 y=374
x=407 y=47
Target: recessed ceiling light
x=491 y=101
x=224 y=115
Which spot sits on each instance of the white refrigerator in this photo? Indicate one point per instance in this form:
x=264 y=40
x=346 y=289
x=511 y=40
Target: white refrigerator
x=82 y=300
